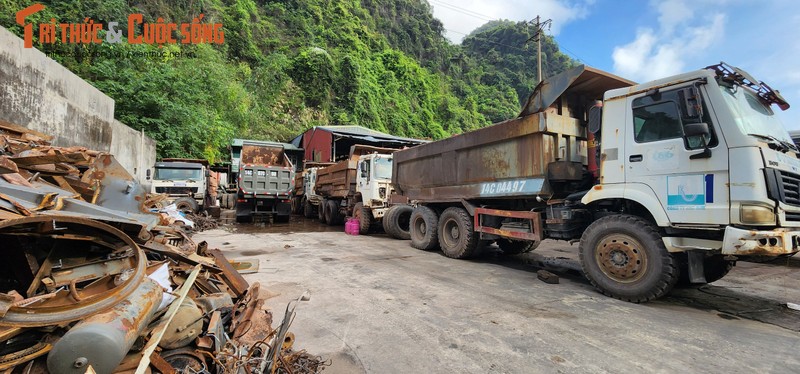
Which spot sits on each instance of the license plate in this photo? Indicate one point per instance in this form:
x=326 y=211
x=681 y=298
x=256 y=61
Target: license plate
x=260 y=203
x=178 y=184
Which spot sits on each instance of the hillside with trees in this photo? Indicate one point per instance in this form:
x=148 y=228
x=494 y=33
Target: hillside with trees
x=286 y=66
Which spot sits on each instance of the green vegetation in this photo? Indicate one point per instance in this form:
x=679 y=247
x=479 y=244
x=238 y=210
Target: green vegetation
x=288 y=65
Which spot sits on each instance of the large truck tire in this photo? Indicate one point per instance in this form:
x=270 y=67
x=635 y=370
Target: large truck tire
x=457 y=237
x=308 y=209
x=624 y=257
x=396 y=222
x=187 y=205
x=295 y=204
x=321 y=210
x=332 y=215
x=364 y=217
x=515 y=247
x=424 y=223
x=714 y=269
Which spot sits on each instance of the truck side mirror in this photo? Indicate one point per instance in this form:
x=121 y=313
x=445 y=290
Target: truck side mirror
x=693 y=131
x=208 y=173
x=364 y=169
x=147 y=174
x=692 y=103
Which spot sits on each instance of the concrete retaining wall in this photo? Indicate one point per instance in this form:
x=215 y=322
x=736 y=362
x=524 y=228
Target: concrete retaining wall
x=40 y=94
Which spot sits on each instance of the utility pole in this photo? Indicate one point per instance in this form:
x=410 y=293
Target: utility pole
x=538 y=37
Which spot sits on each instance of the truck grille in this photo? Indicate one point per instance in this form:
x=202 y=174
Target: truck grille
x=176 y=190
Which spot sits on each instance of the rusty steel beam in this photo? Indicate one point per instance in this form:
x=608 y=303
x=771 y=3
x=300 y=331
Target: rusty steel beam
x=534 y=218
x=232 y=278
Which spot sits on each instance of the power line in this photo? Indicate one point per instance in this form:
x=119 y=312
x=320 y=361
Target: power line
x=479 y=16
x=461 y=10
x=490 y=41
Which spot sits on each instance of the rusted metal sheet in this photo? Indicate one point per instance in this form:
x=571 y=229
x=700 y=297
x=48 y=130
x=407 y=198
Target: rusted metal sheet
x=7 y=166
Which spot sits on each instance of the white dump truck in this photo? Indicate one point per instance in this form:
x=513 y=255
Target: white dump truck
x=359 y=186
x=665 y=182
x=184 y=181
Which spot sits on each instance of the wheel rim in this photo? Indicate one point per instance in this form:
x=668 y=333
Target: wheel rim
x=421 y=227
x=621 y=258
x=451 y=233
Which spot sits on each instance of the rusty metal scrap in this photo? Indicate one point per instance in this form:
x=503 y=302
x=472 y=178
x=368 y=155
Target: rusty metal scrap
x=91 y=278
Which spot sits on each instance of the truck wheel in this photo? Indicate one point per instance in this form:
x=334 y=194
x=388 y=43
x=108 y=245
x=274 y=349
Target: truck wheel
x=364 y=216
x=457 y=238
x=308 y=209
x=187 y=205
x=714 y=269
x=332 y=215
x=321 y=210
x=396 y=222
x=624 y=257
x=424 y=222
x=515 y=247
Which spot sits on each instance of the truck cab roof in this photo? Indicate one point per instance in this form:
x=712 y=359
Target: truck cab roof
x=179 y=165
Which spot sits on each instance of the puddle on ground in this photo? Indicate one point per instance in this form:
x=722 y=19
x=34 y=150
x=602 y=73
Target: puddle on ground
x=296 y=224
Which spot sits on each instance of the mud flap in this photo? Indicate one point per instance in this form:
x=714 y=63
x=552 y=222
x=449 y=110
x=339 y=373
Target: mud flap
x=695 y=266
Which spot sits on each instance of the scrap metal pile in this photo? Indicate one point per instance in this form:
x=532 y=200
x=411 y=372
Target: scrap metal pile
x=92 y=281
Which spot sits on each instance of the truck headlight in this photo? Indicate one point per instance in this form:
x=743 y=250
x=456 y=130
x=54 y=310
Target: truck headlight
x=757 y=215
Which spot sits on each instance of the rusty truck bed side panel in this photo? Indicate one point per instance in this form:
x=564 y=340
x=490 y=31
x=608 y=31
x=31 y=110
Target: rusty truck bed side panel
x=486 y=163
x=510 y=159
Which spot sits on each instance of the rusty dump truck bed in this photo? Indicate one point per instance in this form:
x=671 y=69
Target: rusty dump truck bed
x=512 y=158
x=339 y=179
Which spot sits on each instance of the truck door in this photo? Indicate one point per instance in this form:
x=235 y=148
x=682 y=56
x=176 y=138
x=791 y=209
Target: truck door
x=364 y=178
x=659 y=156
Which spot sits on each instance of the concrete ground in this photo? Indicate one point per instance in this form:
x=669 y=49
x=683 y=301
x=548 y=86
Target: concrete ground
x=379 y=306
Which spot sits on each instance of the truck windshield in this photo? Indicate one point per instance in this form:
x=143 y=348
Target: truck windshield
x=383 y=168
x=178 y=174
x=752 y=116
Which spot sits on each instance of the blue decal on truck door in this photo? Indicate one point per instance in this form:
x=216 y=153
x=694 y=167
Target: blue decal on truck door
x=709 y=188
x=686 y=192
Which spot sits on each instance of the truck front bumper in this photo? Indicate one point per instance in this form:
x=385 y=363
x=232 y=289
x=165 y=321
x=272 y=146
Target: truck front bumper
x=780 y=241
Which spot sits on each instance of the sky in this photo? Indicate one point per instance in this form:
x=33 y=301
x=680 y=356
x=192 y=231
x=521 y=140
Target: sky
x=646 y=40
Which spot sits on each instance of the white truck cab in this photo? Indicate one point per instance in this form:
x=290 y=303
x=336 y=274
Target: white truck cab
x=374 y=182
x=705 y=156
x=184 y=182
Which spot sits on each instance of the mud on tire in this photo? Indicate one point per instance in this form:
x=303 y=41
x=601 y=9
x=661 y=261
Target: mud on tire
x=364 y=216
x=624 y=257
x=396 y=222
x=308 y=209
x=424 y=223
x=457 y=238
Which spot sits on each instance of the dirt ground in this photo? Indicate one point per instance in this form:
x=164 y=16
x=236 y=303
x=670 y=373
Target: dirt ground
x=379 y=306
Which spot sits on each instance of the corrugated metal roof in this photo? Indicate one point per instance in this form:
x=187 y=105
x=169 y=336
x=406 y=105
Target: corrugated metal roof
x=363 y=131
x=286 y=146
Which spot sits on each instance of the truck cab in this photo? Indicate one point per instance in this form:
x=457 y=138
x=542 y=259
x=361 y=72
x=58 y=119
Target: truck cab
x=184 y=182
x=374 y=181
x=703 y=152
